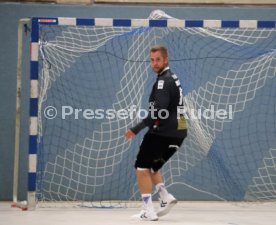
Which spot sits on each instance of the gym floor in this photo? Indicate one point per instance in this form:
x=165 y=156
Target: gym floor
x=185 y=213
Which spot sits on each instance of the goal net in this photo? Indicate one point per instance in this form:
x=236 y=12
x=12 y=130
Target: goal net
x=94 y=79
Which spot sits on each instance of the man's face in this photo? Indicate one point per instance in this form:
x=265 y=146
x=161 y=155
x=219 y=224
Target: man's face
x=158 y=62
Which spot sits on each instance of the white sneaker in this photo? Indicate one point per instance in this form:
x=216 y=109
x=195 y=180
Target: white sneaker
x=166 y=205
x=146 y=215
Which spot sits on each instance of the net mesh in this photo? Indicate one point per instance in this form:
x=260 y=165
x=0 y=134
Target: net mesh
x=88 y=72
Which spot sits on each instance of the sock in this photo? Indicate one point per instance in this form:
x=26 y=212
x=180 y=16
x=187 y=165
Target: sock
x=161 y=189
x=147 y=200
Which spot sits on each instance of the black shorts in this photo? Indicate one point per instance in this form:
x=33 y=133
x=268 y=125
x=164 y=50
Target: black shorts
x=156 y=150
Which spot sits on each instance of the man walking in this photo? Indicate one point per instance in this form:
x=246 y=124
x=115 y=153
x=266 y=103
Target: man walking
x=167 y=130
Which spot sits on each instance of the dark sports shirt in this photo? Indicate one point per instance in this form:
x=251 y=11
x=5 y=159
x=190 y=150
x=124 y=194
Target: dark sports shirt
x=164 y=103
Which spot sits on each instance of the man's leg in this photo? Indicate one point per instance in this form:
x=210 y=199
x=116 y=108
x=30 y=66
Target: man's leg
x=143 y=165
x=157 y=180
x=144 y=180
x=167 y=200
x=156 y=177
x=145 y=186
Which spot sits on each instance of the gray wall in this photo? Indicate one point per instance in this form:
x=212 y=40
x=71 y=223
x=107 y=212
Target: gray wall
x=10 y=13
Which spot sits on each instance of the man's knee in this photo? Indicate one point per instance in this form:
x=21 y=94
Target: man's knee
x=157 y=164
x=142 y=172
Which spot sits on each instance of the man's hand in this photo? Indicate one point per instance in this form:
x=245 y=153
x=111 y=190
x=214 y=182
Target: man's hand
x=129 y=134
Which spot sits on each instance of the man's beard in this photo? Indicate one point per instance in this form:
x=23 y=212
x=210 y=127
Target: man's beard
x=158 y=71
